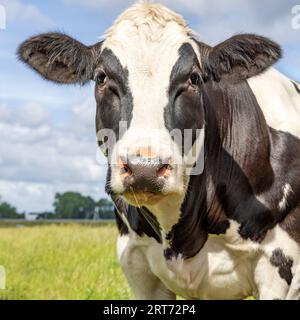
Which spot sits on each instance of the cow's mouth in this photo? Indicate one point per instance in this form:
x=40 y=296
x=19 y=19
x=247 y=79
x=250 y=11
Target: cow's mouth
x=142 y=198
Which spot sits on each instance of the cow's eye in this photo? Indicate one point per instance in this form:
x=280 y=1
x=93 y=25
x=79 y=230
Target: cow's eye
x=101 y=78
x=195 y=79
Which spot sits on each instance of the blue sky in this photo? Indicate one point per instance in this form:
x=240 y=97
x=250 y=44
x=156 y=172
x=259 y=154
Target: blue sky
x=48 y=135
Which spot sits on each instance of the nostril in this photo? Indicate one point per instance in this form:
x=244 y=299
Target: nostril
x=125 y=169
x=164 y=170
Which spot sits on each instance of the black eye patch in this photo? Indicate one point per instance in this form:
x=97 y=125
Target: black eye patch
x=113 y=69
x=184 y=66
x=116 y=104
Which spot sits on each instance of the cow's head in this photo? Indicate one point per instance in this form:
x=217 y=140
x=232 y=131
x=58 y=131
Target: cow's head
x=149 y=77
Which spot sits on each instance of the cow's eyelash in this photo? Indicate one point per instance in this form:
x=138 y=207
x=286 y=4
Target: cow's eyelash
x=99 y=72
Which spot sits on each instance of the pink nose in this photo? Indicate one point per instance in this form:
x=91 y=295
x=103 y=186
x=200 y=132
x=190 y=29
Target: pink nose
x=144 y=173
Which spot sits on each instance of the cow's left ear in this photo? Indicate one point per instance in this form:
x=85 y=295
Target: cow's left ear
x=59 y=58
x=241 y=57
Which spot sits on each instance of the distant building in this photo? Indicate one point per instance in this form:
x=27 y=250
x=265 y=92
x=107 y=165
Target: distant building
x=31 y=216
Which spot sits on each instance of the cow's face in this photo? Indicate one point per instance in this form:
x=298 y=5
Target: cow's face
x=148 y=91
x=149 y=78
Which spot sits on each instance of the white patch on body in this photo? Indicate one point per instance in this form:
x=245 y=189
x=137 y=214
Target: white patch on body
x=170 y=204
x=122 y=242
x=279 y=238
x=287 y=190
x=132 y=256
x=270 y=284
x=294 y=290
x=278 y=99
x=226 y=267
x=213 y=273
x=267 y=282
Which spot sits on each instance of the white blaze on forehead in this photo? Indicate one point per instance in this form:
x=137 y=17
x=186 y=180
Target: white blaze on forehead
x=146 y=39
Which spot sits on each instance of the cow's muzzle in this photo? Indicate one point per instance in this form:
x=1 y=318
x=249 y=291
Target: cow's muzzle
x=143 y=174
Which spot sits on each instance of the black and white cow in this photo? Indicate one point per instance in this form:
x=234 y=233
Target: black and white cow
x=232 y=229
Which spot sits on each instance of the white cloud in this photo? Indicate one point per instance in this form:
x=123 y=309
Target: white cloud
x=18 y=11
x=37 y=197
x=217 y=29
x=83 y=115
x=34 y=114
x=99 y=3
x=29 y=114
x=39 y=157
x=216 y=20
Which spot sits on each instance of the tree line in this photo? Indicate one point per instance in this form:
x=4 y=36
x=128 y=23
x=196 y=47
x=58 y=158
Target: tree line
x=67 y=205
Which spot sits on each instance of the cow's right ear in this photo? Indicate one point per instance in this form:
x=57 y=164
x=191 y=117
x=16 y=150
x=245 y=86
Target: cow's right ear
x=240 y=57
x=59 y=58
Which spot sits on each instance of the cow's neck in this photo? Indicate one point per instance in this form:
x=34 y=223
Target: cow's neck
x=167 y=212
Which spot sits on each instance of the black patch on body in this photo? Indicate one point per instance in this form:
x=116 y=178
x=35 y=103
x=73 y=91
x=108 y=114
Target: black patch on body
x=288 y=164
x=285 y=158
x=245 y=161
x=223 y=190
x=284 y=265
x=291 y=223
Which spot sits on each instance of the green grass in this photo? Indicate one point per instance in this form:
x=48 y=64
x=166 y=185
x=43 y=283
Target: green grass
x=70 y=261
x=61 y=261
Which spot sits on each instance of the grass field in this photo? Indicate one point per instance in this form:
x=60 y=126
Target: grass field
x=61 y=261
x=70 y=261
